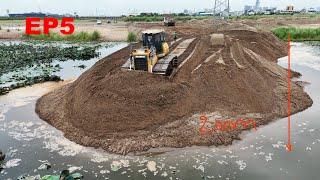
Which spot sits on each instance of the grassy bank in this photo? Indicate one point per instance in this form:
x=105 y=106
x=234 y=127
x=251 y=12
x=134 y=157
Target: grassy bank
x=76 y=37
x=143 y=19
x=298 y=34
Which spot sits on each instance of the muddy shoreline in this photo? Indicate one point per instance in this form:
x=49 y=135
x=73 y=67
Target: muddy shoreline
x=126 y=112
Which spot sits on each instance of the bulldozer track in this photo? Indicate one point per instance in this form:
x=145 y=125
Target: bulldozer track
x=165 y=64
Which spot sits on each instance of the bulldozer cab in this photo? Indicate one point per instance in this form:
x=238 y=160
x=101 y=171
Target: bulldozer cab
x=154 y=48
x=153 y=39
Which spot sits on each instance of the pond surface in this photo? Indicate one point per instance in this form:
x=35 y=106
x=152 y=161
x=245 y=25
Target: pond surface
x=29 y=142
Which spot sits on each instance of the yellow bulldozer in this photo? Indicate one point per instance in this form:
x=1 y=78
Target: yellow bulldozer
x=168 y=20
x=154 y=56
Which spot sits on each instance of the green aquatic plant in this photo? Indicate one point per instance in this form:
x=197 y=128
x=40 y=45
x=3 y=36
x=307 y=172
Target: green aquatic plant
x=298 y=34
x=24 y=64
x=15 y=56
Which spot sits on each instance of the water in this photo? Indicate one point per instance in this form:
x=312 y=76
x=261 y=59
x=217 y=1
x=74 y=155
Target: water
x=29 y=142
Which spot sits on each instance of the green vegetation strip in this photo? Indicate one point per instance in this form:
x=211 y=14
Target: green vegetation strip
x=298 y=34
x=15 y=56
x=76 y=37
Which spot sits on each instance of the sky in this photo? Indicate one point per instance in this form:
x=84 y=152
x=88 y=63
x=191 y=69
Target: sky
x=120 y=7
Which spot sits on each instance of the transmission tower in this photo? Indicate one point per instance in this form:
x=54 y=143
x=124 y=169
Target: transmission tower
x=221 y=9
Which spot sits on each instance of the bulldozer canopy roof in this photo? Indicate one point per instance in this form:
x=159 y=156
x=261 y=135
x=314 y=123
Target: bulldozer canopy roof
x=153 y=31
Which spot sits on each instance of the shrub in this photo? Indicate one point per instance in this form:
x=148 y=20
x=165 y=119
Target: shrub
x=132 y=37
x=95 y=35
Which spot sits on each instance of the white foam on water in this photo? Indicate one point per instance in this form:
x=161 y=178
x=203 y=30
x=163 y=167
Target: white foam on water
x=242 y=164
x=68 y=148
x=12 y=163
x=311 y=130
x=99 y=158
x=12 y=152
x=152 y=166
x=125 y=163
x=222 y=162
x=116 y=165
x=52 y=139
x=26 y=130
x=164 y=174
x=73 y=169
x=104 y=171
x=279 y=144
x=45 y=165
x=200 y=167
x=142 y=170
x=269 y=157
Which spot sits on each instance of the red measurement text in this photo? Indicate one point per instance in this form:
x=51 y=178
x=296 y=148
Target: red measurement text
x=207 y=127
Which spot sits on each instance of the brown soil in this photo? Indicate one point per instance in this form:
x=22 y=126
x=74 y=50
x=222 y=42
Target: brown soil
x=130 y=111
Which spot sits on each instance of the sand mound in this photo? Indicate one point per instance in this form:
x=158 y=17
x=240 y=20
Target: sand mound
x=130 y=111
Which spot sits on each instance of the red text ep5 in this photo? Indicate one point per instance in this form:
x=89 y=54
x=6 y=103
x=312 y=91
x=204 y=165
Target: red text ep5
x=36 y=26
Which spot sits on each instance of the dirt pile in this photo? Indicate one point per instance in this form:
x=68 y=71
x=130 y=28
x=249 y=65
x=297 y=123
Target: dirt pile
x=130 y=111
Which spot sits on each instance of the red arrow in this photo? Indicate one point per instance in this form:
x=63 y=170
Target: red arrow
x=289 y=145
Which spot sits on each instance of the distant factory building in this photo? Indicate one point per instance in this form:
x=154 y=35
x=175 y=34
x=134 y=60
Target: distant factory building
x=205 y=14
x=24 y=15
x=312 y=10
x=248 y=9
x=271 y=10
x=251 y=10
x=39 y=15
